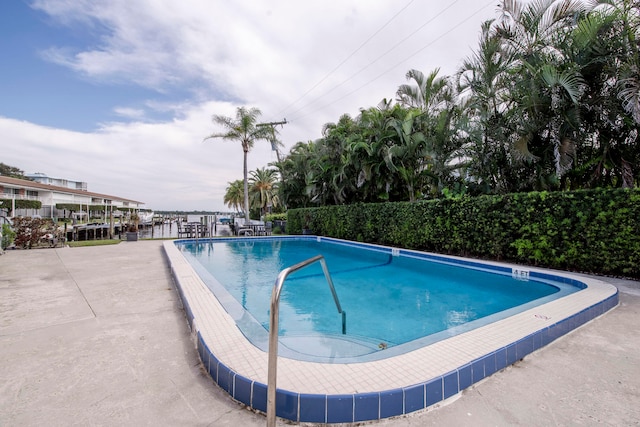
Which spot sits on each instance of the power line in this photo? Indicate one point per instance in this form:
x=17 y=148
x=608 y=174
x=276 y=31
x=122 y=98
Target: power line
x=347 y=58
x=391 y=49
x=274 y=142
x=389 y=69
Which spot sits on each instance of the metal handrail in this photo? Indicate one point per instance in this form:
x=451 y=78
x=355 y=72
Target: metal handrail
x=273 y=328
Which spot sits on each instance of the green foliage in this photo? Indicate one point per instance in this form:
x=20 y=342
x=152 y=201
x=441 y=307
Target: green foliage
x=20 y=204
x=8 y=235
x=276 y=217
x=595 y=231
x=548 y=101
x=12 y=172
x=68 y=206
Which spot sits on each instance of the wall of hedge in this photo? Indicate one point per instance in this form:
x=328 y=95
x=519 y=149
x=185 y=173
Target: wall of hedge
x=596 y=231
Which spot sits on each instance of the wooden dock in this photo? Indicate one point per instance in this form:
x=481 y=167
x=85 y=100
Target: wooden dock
x=94 y=231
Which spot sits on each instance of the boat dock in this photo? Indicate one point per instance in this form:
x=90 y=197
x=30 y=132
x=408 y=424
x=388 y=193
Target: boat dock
x=161 y=226
x=93 y=231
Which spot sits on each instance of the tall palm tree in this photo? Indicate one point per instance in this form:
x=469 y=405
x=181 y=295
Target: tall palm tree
x=244 y=129
x=543 y=123
x=264 y=188
x=484 y=83
x=234 y=196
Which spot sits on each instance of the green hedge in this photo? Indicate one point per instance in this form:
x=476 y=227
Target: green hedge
x=275 y=217
x=594 y=231
x=20 y=204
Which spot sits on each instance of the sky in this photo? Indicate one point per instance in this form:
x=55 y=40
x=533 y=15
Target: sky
x=121 y=93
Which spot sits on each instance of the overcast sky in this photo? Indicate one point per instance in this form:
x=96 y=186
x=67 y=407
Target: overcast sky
x=120 y=93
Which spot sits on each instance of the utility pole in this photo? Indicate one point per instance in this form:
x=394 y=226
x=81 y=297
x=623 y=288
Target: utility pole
x=274 y=142
x=273 y=125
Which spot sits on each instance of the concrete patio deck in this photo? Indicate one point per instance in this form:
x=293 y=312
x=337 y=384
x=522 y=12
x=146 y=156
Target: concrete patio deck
x=97 y=336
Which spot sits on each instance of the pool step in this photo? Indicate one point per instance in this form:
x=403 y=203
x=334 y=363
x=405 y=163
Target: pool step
x=330 y=346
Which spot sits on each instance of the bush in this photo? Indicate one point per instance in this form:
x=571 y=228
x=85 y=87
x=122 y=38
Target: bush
x=8 y=235
x=276 y=217
x=594 y=231
x=31 y=232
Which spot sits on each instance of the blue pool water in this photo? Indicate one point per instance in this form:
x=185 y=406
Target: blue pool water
x=394 y=301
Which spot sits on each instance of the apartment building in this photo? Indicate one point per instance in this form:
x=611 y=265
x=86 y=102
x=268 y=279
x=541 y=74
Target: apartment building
x=49 y=195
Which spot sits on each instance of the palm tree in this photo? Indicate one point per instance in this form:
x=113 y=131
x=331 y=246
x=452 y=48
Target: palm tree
x=264 y=188
x=234 y=196
x=242 y=129
x=604 y=47
x=428 y=92
x=296 y=190
x=408 y=157
x=543 y=122
x=369 y=154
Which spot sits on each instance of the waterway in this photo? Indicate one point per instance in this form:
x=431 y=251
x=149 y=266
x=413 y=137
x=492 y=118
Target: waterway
x=170 y=229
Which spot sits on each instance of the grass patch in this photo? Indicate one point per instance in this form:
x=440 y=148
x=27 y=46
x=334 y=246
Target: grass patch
x=93 y=243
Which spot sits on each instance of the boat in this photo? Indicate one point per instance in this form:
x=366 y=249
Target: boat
x=146 y=218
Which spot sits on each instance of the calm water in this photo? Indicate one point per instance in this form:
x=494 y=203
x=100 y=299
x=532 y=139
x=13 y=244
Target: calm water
x=389 y=300
x=170 y=230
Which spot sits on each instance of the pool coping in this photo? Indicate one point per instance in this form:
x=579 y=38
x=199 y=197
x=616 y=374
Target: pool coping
x=353 y=392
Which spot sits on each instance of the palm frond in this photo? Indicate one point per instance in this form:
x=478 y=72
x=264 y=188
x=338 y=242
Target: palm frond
x=630 y=93
x=521 y=149
x=570 y=81
x=566 y=154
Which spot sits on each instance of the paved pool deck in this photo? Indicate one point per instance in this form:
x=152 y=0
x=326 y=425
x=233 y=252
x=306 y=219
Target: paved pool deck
x=97 y=336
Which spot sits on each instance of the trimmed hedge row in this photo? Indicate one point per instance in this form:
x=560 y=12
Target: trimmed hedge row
x=20 y=204
x=595 y=231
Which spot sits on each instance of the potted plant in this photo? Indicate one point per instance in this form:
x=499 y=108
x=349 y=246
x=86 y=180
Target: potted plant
x=132 y=230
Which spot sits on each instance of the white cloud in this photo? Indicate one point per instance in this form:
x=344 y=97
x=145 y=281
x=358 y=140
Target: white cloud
x=263 y=54
x=165 y=165
x=127 y=112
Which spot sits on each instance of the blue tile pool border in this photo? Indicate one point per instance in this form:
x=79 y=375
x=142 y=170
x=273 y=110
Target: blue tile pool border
x=368 y=406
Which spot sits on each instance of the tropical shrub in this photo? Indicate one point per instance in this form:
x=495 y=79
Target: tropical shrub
x=8 y=235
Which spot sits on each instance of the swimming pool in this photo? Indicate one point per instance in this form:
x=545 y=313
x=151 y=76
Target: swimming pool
x=368 y=389
x=396 y=303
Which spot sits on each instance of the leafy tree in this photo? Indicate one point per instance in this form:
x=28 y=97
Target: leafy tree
x=295 y=170
x=549 y=100
x=372 y=179
x=604 y=46
x=12 y=172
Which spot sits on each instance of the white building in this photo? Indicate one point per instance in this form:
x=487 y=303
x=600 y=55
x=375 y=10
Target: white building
x=58 y=182
x=13 y=189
